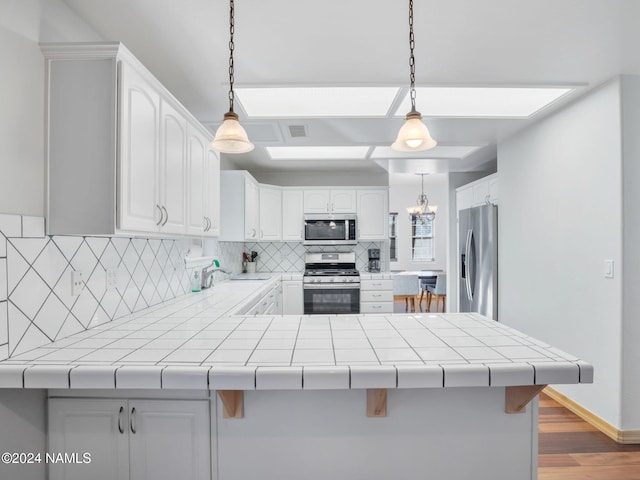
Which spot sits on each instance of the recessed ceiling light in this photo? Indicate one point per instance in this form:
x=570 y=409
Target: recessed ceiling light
x=441 y=151
x=316 y=101
x=482 y=101
x=318 y=153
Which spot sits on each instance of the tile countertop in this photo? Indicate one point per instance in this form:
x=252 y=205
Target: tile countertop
x=195 y=342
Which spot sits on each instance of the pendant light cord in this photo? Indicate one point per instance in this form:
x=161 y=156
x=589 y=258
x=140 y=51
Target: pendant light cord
x=412 y=60
x=231 y=48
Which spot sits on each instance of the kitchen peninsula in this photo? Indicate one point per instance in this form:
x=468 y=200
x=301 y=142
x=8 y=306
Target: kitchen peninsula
x=401 y=396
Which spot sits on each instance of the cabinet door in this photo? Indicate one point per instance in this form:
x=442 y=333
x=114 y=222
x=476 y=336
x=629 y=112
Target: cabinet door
x=98 y=427
x=292 y=298
x=317 y=201
x=343 y=201
x=252 y=209
x=292 y=215
x=493 y=191
x=169 y=439
x=270 y=213
x=212 y=194
x=464 y=198
x=373 y=215
x=139 y=200
x=196 y=145
x=173 y=169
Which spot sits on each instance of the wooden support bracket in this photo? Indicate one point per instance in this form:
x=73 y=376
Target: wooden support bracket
x=232 y=403
x=377 y=402
x=517 y=398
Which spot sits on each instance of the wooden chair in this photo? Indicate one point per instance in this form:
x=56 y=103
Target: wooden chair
x=406 y=287
x=439 y=290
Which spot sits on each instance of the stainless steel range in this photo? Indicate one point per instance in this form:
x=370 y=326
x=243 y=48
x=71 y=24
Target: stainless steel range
x=331 y=283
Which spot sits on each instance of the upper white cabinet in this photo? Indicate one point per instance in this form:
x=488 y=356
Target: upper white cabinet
x=373 y=214
x=329 y=201
x=240 y=217
x=121 y=152
x=270 y=213
x=484 y=190
x=292 y=214
x=212 y=194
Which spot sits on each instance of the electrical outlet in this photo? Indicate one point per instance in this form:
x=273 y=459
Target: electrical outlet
x=77 y=283
x=112 y=278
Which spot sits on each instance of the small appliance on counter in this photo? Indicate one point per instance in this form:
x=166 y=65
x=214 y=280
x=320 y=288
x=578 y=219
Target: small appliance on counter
x=374 y=260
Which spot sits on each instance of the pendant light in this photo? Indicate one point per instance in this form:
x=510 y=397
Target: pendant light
x=231 y=137
x=422 y=209
x=413 y=135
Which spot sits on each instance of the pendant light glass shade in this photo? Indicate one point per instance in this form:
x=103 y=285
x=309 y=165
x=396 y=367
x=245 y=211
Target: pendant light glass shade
x=414 y=135
x=231 y=137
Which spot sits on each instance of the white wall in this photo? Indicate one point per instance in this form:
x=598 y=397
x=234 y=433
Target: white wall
x=629 y=271
x=403 y=192
x=560 y=218
x=23 y=24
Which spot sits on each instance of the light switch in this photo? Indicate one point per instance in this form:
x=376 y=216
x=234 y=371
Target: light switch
x=608 y=269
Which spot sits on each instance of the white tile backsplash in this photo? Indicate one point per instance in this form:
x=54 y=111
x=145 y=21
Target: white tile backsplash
x=35 y=278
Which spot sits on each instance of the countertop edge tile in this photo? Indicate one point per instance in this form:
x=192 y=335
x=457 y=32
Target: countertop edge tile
x=185 y=378
x=47 y=376
x=279 y=378
x=374 y=376
x=557 y=373
x=232 y=378
x=586 y=371
x=466 y=375
x=511 y=374
x=325 y=377
x=11 y=376
x=420 y=376
x=93 y=376
x=138 y=377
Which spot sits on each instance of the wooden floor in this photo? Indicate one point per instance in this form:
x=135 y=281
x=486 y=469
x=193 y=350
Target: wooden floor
x=571 y=449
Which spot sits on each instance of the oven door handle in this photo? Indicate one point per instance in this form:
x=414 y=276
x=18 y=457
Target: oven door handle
x=331 y=286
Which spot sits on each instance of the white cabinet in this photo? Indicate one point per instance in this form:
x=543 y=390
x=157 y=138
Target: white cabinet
x=292 y=297
x=130 y=439
x=196 y=159
x=240 y=217
x=373 y=214
x=212 y=194
x=139 y=159
x=117 y=150
x=478 y=193
x=376 y=294
x=329 y=201
x=270 y=213
x=292 y=215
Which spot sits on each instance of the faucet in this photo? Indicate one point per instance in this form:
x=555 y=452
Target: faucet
x=207 y=274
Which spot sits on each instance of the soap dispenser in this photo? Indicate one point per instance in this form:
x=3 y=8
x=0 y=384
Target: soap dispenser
x=195 y=281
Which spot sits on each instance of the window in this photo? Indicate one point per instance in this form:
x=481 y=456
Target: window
x=393 y=222
x=421 y=239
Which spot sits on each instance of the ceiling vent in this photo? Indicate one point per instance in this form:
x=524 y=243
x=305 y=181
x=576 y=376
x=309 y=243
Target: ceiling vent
x=297 y=131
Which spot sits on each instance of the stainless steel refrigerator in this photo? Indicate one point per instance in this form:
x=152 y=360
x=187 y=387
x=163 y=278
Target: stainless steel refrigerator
x=478 y=237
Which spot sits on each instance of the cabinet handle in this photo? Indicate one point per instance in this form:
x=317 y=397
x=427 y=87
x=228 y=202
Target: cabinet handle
x=161 y=215
x=207 y=224
x=261 y=233
x=131 y=424
x=332 y=206
x=120 y=428
x=253 y=234
x=328 y=207
x=376 y=295
x=167 y=216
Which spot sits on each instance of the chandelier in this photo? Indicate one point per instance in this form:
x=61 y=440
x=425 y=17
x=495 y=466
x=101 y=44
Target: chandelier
x=422 y=209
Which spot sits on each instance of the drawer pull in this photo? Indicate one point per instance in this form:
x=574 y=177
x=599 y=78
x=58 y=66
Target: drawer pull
x=131 y=424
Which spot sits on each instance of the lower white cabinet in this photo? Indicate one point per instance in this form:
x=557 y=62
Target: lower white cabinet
x=292 y=297
x=376 y=295
x=130 y=439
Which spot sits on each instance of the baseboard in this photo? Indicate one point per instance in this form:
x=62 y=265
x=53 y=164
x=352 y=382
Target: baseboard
x=620 y=436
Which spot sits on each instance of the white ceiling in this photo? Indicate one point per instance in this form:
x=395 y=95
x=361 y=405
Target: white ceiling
x=578 y=43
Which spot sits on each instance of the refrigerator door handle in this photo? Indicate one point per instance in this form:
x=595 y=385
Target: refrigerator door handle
x=467 y=253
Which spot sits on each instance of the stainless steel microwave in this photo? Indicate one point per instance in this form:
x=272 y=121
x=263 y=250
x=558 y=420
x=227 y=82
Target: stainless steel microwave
x=326 y=229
